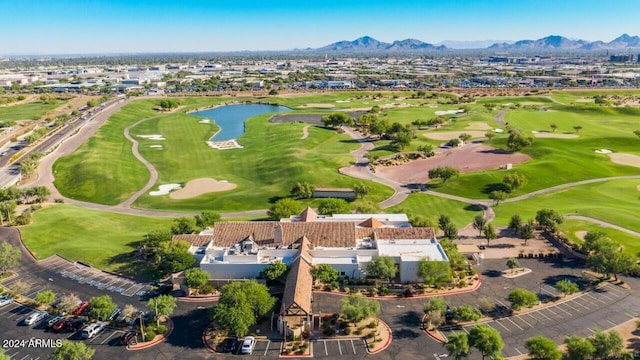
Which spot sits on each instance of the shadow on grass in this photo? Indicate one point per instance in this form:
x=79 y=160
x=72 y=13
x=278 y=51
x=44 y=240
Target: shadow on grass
x=128 y=265
x=473 y=207
x=487 y=189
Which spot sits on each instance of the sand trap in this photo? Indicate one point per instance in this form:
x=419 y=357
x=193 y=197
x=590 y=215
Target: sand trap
x=580 y=234
x=508 y=104
x=201 y=186
x=584 y=100
x=205 y=121
x=448 y=112
x=555 y=136
x=305 y=132
x=625 y=159
x=448 y=135
x=477 y=125
x=638 y=187
x=499 y=131
x=603 y=151
x=313 y=105
x=152 y=137
x=224 y=145
x=165 y=189
x=343 y=101
x=157 y=147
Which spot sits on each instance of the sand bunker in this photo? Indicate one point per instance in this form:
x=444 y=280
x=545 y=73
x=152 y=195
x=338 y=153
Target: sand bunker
x=448 y=135
x=475 y=157
x=157 y=147
x=224 y=145
x=343 y=101
x=448 y=112
x=603 y=151
x=555 y=136
x=205 y=121
x=165 y=189
x=313 y=105
x=477 y=125
x=625 y=159
x=580 y=234
x=499 y=131
x=201 y=186
x=583 y=100
x=152 y=137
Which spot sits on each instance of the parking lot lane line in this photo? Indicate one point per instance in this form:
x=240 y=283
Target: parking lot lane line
x=543 y=315
x=108 y=337
x=560 y=307
x=611 y=322
x=523 y=320
x=11 y=356
x=518 y=326
x=592 y=331
x=326 y=351
x=498 y=322
x=516 y=349
x=24 y=357
x=339 y=347
x=578 y=303
x=606 y=297
x=354 y=347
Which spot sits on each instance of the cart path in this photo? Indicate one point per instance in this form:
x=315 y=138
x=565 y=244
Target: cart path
x=305 y=132
x=602 y=223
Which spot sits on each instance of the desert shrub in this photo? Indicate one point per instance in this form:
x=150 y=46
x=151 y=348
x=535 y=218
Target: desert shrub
x=347 y=330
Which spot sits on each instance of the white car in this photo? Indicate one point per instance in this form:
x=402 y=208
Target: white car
x=5 y=300
x=35 y=317
x=92 y=330
x=247 y=345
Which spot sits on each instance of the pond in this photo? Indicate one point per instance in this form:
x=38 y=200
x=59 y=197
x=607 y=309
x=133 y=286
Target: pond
x=231 y=118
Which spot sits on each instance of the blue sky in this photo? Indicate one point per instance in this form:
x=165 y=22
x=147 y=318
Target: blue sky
x=108 y=26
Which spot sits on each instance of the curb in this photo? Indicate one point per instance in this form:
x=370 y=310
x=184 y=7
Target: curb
x=155 y=341
x=204 y=339
x=431 y=335
x=385 y=345
x=198 y=299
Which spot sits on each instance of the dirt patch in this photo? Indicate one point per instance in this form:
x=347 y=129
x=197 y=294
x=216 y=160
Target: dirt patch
x=471 y=158
x=625 y=159
x=478 y=125
x=555 y=136
x=448 y=135
x=506 y=245
x=201 y=186
x=580 y=234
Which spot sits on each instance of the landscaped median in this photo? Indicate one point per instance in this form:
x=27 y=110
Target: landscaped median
x=156 y=340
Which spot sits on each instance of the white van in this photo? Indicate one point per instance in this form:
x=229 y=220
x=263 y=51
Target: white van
x=92 y=330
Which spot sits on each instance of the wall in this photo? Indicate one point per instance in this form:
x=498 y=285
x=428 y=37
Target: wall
x=233 y=271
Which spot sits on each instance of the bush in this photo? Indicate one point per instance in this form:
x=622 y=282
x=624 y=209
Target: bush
x=372 y=325
x=207 y=289
x=344 y=325
x=161 y=329
x=347 y=330
x=149 y=333
x=371 y=335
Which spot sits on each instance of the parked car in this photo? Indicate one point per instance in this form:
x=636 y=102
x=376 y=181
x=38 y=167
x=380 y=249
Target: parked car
x=162 y=290
x=230 y=345
x=135 y=317
x=81 y=308
x=5 y=300
x=114 y=314
x=75 y=325
x=53 y=320
x=448 y=315
x=92 y=330
x=248 y=344
x=61 y=324
x=129 y=338
x=35 y=317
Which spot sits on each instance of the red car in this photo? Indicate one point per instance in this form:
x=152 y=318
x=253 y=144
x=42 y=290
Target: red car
x=61 y=324
x=81 y=308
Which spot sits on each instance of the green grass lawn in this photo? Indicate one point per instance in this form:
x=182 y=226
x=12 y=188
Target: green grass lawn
x=102 y=239
x=571 y=227
x=615 y=202
x=28 y=111
x=432 y=207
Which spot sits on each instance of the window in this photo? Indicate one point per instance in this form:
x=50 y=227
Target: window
x=342 y=273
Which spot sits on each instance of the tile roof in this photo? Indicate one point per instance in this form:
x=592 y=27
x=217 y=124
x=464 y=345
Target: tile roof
x=309 y=215
x=299 y=283
x=327 y=234
x=193 y=239
x=371 y=223
x=395 y=233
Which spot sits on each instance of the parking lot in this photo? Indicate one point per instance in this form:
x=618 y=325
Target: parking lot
x=580 y=306
x=12 y=322
x=333 y=348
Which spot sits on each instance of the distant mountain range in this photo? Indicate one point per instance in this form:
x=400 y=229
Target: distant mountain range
x=549 y=43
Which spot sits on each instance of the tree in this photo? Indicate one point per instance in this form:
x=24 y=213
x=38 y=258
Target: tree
x=275 y=270
x=553 y=127
x=542 y=348
x=515 y=223
x=497 y=196
x=379 y=127
x=517 y=142
x=100 y=307
x=206 y=219
x=68 y=303
x=195 y=278
x=324 y=273
x=479 y=223
x=579 y=348
x=486 y=303
x=241 y=303
x=514 y=180
x=155 y=237
x=489 y=232
x=526 y=231
x=454 y=142
x=45 y=297
x=382 y=267
x=457 y=260
x=606 y=344
x=173 y=257
x=513 y=263
x=609 y=258
x=356 y=307
x=184 y=225
x=489 y=135
x=450 y=231
x=72 y=350
x=162 y=305
x=487 y=340
x=466 y=313
x=9 y=256
x=129 y=311
x=444 y=220
x=168 y=104
x=368 y=207
x=284 y=208
x=577 y=128
x=8 y=210
x=443 y=172
x=521 y=297
x=332 y=206
x=567 y=287
x=361 y=190
x=401 y=140
x=548 y=219
x=434 y=272
x=464 y=137
x=435 y=304
x=592 y=240
x=637 y=132
x=458 y=346
x=302 y=190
